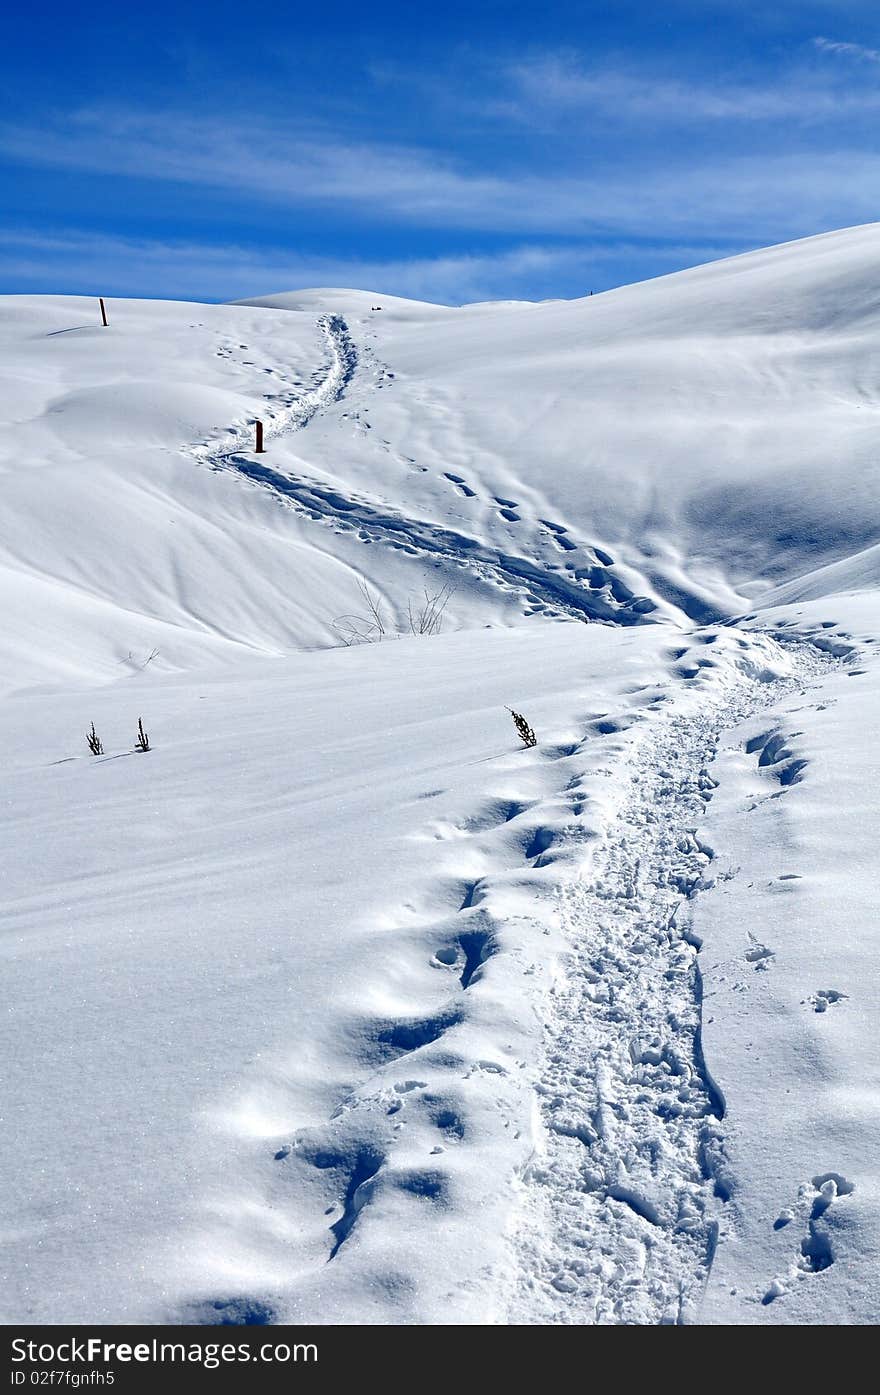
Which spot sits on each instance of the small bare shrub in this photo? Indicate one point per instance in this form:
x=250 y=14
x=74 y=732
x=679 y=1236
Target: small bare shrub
x=525 y=732
x=143 y=741
x=367 y=627
x=426 y=617
x=139 y=664
x=94 y=742
x=423 y=617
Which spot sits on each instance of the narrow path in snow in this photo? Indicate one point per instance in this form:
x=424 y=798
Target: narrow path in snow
x=296 y=410
x=620 y=1208
x=593 y=592
x=590 y=590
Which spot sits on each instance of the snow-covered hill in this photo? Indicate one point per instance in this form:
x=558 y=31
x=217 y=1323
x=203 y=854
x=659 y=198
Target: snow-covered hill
x=339 y=1006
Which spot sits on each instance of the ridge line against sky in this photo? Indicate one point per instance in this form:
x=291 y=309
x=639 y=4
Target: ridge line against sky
x=210 y=154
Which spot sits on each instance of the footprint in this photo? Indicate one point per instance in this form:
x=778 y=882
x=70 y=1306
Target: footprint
x=460 y=484
x=444 y=1117
x=490 y=1067
x=560 y=535
x=409 y=1033
x=829 y=1185
x=231 y=1312
x=608 y=726
x=598 y=579
x=773 y=751
x=562 y=752
x=470 y=894
x=366 y=1164
x=824 y=998
x=469 y=953
x=816 y=1253
x=492 y=815
x=539 y=841
x=430 y=1185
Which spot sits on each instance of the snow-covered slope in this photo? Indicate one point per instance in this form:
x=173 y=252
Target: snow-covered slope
x=689 y=425
x=338 y=1006
x=661 y=449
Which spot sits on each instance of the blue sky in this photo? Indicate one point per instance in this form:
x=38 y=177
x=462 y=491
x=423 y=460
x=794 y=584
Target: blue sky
x=454 y=152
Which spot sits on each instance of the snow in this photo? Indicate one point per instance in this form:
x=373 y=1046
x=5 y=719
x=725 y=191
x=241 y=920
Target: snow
x=791 y=949
x=339 y=1005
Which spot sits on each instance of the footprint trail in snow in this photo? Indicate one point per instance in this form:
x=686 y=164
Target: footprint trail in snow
x=621 y=1207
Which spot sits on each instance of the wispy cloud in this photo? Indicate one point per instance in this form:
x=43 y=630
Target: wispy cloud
x=848 y=50
x=563 y=83
x=280 y=162
x=85 y=264
x=752 y=197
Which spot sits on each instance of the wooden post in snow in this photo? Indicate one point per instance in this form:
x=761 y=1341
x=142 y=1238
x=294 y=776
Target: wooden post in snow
x=103 y=310
x=260 y=449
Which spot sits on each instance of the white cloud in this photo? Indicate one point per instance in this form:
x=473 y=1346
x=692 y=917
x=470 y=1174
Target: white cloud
x=755 y=198
x=847 y=50
x=278 y=162
x=37 y=261
x=563 y=84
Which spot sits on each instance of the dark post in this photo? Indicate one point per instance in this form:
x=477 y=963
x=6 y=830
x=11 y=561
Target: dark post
x=103 y=310
x=260 y=447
